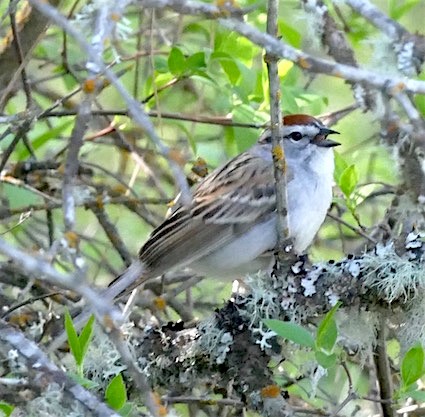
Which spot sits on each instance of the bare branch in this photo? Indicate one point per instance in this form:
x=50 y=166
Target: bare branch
x=112 y=234
x=42 y=373
x=134 y=106
x=72 y=164
x=276 y=134
x=386 y=25
x=43 y=270
x=390 y=84
x=383 y=372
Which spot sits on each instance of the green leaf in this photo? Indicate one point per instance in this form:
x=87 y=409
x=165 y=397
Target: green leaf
x=245 y=83
x=198 y=29
x=348 y=180
x=204 y=77
x=229 y=65
x=412 y=366
x=86 y=335
x=291 y=331
x=196 y=62
x=73 y=340
x=38 y=141
x=340 y=166
x=160 y=64
x=245 y=138
x=397 y=9
x=289 y=104
x=176 y=61
x=417 y=395
x=6 y=408
x=230 y=141
x=327 y=332
x=126 y=409
x=69 y=81
x=84 y=382
x=19 y=197
x=290 y=34
x=325 y=360
x=116 y=394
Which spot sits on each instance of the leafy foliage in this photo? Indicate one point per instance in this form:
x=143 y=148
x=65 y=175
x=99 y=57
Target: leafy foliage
x=199 y=83
x=412 y=369
x=116 y=395
x=323 y=344
x=6 y=409
x=79 y=343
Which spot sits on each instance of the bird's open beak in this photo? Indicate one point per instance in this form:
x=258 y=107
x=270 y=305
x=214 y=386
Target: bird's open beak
x=322 y=140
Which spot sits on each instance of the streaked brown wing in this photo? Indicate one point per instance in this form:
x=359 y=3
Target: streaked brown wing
x=226 y=203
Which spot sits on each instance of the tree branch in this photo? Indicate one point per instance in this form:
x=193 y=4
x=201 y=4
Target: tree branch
x=42 y=375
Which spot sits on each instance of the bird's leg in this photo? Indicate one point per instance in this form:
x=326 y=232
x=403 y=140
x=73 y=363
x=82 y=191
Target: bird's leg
x=284 y=257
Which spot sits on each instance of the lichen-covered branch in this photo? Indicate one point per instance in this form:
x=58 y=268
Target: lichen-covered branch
x=41 y=376
x=410 y=48
x=390 y=84
x=134 y=107
x=234 y=346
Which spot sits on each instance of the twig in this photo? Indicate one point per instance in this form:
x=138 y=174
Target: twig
x=138 y=377
x=273 y=46
x=351 y=396
x=204 y=401
x=386 y=25
x=112 y=234
x=101 y=31
x=221 y=121
x=64 y=53
x=135 y=110
x=338 y=47
x=383 y=372
x=392 y=85
x=20 y=54
x=276 y=134
x=356 y=230
x=349 y=379
x=33 y=265
x=412 y=112
x=42 y=372
x=19 y=135
x=72 y=164
x=26 y=302
x=137 y=67
x=91 y=202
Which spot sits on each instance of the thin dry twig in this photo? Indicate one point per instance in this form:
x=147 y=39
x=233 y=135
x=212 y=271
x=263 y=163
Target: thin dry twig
x=134 y=108
x=390 y=84
x=356 y=230
x=72 y=164
x=383 y=371
x=112 y=233
x=276 y=134
x=20 y=54
x=213 y=120
x=42 y=373
x=39 y=267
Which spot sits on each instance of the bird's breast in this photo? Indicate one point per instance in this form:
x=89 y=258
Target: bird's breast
x=309 y=198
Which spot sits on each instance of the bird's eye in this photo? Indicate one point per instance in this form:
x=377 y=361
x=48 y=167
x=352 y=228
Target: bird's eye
x=296 y=136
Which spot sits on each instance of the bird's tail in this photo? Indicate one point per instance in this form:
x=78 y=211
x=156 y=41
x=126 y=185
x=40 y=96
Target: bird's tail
x=123 y=284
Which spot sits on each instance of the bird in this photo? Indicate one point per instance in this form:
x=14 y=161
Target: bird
x=229 y=228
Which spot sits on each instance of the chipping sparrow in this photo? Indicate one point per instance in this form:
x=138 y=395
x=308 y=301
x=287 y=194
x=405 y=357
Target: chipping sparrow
x=230 y=227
